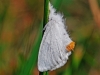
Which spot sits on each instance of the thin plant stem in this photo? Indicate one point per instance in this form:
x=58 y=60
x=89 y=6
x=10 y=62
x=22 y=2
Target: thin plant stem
x=45 y=20
x=46 y=12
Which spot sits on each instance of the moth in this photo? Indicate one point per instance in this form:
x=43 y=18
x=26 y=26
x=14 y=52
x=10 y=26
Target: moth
x=56 y=45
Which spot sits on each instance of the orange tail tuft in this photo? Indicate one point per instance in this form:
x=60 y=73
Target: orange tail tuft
x=70 y=46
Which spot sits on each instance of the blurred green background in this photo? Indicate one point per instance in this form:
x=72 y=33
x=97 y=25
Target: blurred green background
x=21 y=33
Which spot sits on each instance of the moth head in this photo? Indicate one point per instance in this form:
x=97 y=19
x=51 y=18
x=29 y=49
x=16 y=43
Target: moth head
x=71 y=46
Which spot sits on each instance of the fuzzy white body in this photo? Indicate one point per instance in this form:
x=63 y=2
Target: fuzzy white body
x=52 y=52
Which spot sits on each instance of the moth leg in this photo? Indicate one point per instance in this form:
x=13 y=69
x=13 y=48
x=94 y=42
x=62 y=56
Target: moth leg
x=70 y=46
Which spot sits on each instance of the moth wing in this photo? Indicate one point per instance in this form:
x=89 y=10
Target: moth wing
x=52 y=53
x=61 y=40
x=44 y=57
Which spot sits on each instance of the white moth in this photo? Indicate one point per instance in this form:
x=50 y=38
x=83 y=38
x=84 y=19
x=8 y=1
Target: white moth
x=52 y=52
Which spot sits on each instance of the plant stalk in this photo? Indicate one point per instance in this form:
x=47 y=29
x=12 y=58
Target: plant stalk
x=45 y=20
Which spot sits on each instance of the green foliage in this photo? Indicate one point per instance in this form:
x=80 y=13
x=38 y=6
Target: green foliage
x=32 y=60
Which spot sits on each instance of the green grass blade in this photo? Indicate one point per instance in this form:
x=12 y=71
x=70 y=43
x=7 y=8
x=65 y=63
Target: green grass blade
x=46 y=12
x=31 y=62
x=45 y=20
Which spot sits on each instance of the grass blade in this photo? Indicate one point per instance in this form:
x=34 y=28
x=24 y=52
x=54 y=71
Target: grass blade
x=45 y=20
x=31 y=62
